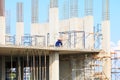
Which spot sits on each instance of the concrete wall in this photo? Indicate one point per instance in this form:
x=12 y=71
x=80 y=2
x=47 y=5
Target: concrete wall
x=2 y=30
x=40 y=30
x=19 y=32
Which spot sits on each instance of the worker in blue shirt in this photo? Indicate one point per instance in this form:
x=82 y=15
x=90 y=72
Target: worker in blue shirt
x=58 y=43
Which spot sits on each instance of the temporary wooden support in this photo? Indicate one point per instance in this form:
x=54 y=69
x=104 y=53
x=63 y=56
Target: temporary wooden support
x=19 y=68
x=39 y=67
x=3 y=68
x=45 y=65
x=34 y=67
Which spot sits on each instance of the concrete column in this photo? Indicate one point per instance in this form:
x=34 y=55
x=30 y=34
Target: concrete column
x=35 y=31
x=36 y=70
x=106 y=35
x=19 y=69
x=22 y=68
x=19 y=32
x=53 y=25
x=73 y=66
x=34 y=78
x=39 y=67
x=54 y=66
x=106 y=48
x=2 y=30
x=89 y=34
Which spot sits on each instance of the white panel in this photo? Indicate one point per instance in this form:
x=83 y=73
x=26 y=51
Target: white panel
x=89 y=35
x=53 y=25
x=2 y=30
x=19 y=32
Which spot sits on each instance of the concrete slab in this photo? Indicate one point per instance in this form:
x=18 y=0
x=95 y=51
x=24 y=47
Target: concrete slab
x=23 y=50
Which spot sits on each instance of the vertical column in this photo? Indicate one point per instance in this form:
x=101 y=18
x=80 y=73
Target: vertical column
x=22 y=69
x=36 y=69
x=19 y=69
x=54 y=66
x=89 y=32
x=2 y=30
x=39 y=67
x=106 y=48
x=19 y=24
x=53 y=21
x=73 y=66
x=35 y=11
x=106 y=39
x=89 y=24
x=53 y=25
x=2 y=22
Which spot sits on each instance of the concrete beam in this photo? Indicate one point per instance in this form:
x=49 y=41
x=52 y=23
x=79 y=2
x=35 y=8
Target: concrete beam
x=54 y=66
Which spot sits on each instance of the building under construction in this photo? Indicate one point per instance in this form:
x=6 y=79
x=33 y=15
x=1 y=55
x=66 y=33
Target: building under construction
x=85 y=54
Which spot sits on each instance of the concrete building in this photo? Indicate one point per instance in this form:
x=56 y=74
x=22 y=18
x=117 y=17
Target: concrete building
x=35 y=57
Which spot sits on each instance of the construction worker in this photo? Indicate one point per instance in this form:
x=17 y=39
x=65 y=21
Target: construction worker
x=58 y=43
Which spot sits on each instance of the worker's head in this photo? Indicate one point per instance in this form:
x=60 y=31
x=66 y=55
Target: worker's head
x=59 y=39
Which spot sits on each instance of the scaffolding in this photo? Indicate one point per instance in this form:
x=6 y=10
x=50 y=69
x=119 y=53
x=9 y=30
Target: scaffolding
x=97 y=36
x=10 y=40
x=73 y=38
x=84 y=67
x=115 y=57
x=34 y=40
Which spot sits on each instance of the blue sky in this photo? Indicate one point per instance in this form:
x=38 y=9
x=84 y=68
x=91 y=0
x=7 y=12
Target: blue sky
x=43 y=14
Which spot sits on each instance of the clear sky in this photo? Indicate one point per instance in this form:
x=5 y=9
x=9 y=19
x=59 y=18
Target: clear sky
x=43 y=14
